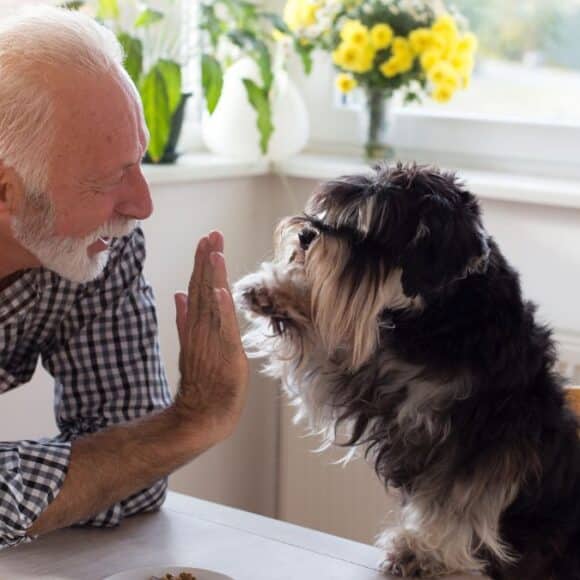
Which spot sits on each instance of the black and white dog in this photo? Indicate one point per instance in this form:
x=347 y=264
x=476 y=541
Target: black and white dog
x=391 y=316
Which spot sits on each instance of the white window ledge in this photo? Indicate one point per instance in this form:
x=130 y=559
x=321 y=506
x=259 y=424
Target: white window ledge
x=486 y=184
x=203 y=166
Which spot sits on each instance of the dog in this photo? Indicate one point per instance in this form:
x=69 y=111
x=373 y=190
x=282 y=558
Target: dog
x=398 y=327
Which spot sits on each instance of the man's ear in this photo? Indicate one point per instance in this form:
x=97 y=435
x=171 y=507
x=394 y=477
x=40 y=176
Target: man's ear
x=11 y=191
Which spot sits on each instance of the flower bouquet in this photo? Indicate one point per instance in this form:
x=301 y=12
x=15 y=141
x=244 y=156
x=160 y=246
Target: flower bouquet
x=417 y=47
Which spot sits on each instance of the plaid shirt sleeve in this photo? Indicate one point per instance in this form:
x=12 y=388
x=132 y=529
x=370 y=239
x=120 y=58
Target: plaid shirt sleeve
x=100 y=343
x=31 y=475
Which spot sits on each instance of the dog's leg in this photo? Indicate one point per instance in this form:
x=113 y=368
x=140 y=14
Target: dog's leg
x=437 y=539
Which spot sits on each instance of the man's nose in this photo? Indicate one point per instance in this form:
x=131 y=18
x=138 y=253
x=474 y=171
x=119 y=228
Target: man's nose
x=136 y=202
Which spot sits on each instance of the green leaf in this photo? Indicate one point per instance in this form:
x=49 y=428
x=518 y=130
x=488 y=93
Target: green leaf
x=277 y=22
x=148 y=17
x=265 y=63
x=243 y=38
x=212 y=80
x=133 y=49
x=258 y=50
x=171 y=73
x=211 y=24
x=259 y=100
x=108 y=10
x=72 y=5
x=156 y=109
x=305 y=53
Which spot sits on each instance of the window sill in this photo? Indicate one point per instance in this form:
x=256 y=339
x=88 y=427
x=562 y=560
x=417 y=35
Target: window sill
x=202 y=166
x=486 y=184
x=508 y=187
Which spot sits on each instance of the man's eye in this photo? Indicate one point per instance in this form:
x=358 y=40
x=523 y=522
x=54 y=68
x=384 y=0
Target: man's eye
x=306 y=236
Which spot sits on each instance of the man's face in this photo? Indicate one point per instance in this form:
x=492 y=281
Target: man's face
x=96 y=190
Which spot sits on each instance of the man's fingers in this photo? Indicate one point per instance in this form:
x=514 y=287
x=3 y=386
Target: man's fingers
x=216 y=240
x=181 y=315
x=228 y=322
x=198 y=290
x=200 y=261
x=219 y=271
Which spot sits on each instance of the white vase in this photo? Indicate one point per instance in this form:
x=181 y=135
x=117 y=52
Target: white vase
x=231 y=130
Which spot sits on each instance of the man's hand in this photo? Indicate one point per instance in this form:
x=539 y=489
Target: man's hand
x=214 y=376
x=213 y=365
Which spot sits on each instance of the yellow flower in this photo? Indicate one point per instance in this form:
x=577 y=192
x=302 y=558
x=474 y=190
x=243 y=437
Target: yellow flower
x=443 y=72
x=406 y=63
x=401 y=45
x=421 y=40
x=354 y=58
x=299 y=14
x=430 y=58
x=446 y=25
x=443 y=92
x=346 y=55
x=345 y=83
x=462 y=62
x=390 y=68
x=467 y=43
x=403 y=54
x=381 y=36
x=355 y=32
x=366 y=60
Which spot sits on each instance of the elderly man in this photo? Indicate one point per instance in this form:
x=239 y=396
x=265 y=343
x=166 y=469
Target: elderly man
x=72 y=292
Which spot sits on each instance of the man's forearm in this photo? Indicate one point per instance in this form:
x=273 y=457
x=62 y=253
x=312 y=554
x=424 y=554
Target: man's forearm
x=109 y=466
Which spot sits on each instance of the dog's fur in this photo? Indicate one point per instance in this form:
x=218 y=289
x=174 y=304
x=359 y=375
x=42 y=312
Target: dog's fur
x=391 y=316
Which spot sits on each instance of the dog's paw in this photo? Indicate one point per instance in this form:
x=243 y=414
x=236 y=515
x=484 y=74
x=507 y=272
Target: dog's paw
x=253 y=295
x=401 y=561
x=261 y=301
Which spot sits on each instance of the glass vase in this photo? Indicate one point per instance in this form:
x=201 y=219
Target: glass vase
x=375 y=124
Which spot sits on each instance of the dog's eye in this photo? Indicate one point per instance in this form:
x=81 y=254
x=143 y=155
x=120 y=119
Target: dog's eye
x=306 y=236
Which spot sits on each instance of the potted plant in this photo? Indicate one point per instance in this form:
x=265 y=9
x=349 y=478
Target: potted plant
x=148 y=37
x=241 y=57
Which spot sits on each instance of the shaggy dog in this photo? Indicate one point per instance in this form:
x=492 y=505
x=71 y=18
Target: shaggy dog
x=394 y=320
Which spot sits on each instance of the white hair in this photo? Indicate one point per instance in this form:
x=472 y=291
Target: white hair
x=31 y=42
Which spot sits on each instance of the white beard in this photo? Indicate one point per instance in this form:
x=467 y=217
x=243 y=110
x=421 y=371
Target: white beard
x=66 y=256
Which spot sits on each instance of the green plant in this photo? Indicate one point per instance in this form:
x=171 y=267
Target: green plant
x=147 y=36
x=236 y=29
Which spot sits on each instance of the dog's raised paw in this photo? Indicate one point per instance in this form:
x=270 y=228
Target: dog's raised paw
x=260 y=300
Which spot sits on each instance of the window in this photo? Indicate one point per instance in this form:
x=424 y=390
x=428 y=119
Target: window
x=520 y=114
x=529 y=61
x=521 y=111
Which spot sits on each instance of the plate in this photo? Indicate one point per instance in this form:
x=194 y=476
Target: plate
x=159 y=571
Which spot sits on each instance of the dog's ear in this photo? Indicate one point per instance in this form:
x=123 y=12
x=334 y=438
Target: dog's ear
x=450 y=243
x=348 y=296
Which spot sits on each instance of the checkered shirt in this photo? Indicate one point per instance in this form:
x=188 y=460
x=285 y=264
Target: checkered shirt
x=99 y=341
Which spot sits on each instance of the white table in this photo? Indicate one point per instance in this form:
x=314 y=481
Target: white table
x=196 y=533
